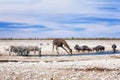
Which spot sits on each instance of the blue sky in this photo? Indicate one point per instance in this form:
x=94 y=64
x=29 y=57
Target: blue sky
x=59 y=18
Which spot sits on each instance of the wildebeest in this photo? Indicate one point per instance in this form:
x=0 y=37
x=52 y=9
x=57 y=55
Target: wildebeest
x=58 y=42
x=35 y=48
x=86 y=48
x=99 y=48
x=114 y=48
x=77 y=47
x=19 y=50
x=82 y=48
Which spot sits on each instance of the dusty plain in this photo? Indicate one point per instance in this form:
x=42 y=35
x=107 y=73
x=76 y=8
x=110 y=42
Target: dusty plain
x=79 y=66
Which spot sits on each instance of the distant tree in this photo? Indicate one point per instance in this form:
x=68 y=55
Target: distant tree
x=72 y=38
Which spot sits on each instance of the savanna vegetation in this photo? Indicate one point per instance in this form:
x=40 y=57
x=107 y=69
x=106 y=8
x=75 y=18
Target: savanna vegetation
x=72 y=38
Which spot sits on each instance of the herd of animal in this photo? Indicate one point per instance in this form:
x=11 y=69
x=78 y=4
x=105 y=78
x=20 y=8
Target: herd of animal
x=84 y=48
x=62 y=43
x=57 y=42
x=23 y=50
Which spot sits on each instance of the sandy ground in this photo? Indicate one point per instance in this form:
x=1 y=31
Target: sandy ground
x=62 y=67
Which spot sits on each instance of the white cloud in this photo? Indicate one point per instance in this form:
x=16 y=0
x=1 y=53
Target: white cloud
x=39 y=12
x=28 y=29
x=48 y=7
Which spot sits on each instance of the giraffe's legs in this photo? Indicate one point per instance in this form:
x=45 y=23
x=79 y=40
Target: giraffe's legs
x=65 y=49
x=53 y=48
x=57 y=50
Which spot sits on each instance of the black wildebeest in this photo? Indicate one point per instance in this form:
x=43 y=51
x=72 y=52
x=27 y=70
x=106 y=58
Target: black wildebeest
x=82 y=48
x=114 y=48
x=99 y=48
x=59 y=42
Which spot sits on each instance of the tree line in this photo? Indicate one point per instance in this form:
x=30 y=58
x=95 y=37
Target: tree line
x=72 y=38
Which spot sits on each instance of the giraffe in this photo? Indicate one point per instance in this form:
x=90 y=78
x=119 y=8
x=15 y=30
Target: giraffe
x=59 y=42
